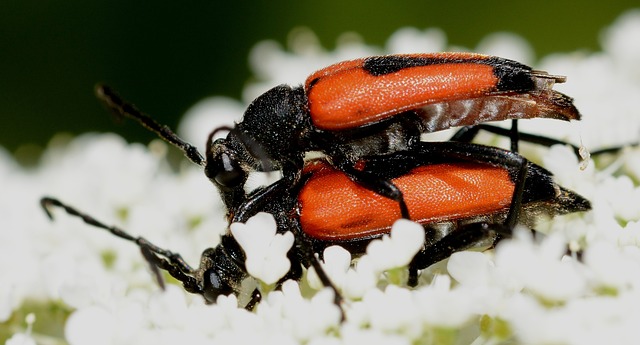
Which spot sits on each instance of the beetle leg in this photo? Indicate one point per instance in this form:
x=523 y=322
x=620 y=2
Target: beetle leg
x=516 y=200
x=458 y=240
x=468 y=133
x=155 y=256
x=322 y=275
x=466 y=236
x=306 y=254
x=469 y=235
x=514 y=135
x=370 y=181
x=270 y=194
x=517 y=165
x=379 y=185
x=256 y=297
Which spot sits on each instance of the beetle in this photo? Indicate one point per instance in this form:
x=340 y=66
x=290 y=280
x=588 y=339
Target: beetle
x=362 y=107
x=464 y=194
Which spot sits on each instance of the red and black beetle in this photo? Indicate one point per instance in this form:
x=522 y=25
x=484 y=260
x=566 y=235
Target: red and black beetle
x=463 y=194
x=367 y=115
x=368 y=106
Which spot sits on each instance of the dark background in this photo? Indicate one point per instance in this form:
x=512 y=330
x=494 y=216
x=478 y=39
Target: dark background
x=167 y=55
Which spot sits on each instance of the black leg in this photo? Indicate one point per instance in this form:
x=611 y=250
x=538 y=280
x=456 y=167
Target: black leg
x=516 y=201
x=258 y=201
x=337 y=297
x=459 y=239
x=517 y=166
x=306 y=254
x=466 y=236
x=387 y=189
x=379 y=185
x=467 y=134
x=256 y=297
x=123 y=108
x=514 y=136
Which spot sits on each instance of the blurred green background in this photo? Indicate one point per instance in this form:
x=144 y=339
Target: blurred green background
x=167 y=55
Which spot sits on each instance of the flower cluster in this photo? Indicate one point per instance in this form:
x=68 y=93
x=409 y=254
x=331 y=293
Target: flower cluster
x=93 y=288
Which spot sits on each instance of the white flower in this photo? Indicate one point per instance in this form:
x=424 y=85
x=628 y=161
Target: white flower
x=20 y=339
x=391 y=310
x=540 y=268
x=412 y=40
x=527 y=291
x=266 y=250
x=7 y=301
x=471 y=268
x=396 y=250
x=613 y=267
x=620 y=41
x=441 y=306
x=335 y=265
x=507 y=45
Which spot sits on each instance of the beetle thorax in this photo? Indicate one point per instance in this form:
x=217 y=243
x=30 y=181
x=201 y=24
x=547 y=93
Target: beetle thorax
x=273 y=129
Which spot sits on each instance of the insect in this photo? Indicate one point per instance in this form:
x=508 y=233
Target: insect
x=363 y=107
x=463 y=194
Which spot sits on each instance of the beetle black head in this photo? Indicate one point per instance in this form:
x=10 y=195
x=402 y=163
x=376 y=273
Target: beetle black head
x=226 y=166
x=270 y=137
x=219 y=274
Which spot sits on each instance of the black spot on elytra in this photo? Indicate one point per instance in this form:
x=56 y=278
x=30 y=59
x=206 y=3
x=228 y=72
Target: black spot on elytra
x=512 y=75
x=381 y=65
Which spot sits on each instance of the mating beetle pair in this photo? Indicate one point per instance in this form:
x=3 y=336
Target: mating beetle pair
x=367 y=116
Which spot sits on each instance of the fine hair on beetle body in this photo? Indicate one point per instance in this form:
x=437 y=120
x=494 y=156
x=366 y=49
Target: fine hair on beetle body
x=366 y=117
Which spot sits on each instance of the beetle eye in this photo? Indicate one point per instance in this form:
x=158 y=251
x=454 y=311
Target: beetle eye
x=226 y=171
x=214 y=286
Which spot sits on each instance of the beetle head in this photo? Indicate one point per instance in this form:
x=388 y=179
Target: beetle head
x=214 y=285
x=230 y=160
x=219 y=273
x=223 y=166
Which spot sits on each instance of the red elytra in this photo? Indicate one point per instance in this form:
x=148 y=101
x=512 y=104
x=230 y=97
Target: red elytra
x=334 y=208
x=348 y=95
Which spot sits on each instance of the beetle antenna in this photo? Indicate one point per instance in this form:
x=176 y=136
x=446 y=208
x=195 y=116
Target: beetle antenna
x=157 y=257
x=209 y=147
x=219 y=129
x=116 y=104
